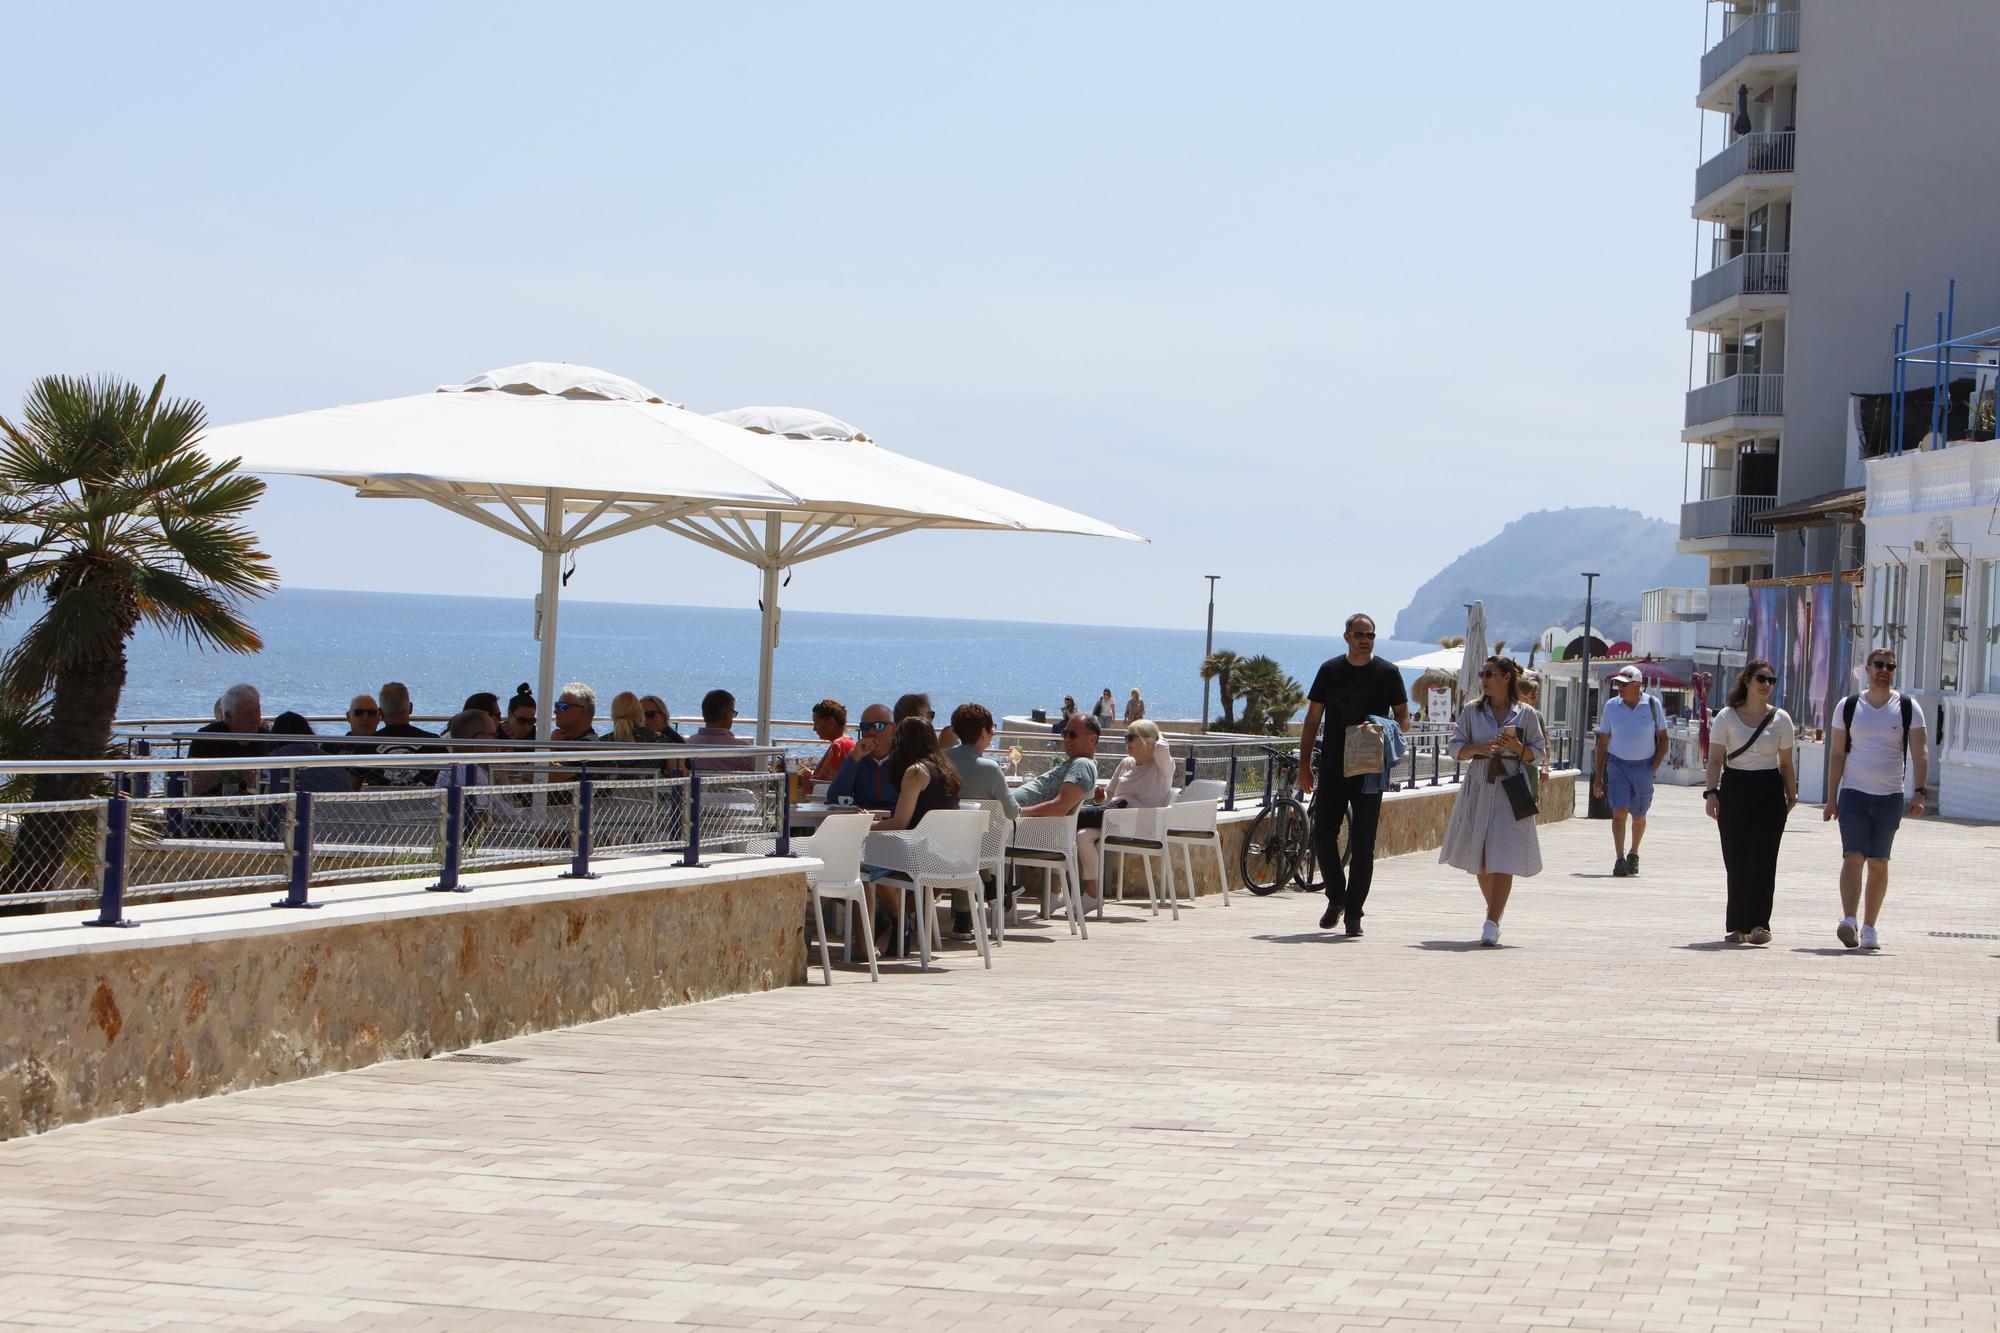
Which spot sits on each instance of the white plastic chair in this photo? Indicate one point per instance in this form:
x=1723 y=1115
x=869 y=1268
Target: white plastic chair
x=837 y=846
x=993 y=859
x=1048 y=843
x=940 y=854
x=1142 y=833
x=1191 y=824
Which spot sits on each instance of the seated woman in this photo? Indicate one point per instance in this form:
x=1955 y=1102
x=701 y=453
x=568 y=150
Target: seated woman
x=829 y=723
x=924 y=782
x=636 y=721
x=1144 y=779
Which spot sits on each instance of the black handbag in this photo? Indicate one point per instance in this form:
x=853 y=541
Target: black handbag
x=1519 y=795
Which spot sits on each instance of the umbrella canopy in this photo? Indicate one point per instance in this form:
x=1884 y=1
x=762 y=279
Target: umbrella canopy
x=1444 y=659
x=1475 y=651
x=1661 y=678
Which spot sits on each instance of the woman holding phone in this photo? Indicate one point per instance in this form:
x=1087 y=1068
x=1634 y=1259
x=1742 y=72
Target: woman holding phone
x=1752 y=786
x=1498 y=736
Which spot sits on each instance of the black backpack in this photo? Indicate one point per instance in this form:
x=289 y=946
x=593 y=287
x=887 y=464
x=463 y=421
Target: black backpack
x=1847 y=706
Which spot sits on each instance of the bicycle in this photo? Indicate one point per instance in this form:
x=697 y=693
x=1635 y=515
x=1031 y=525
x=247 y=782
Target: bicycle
x=1279 y=847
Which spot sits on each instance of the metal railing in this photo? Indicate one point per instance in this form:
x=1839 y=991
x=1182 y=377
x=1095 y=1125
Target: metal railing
x=1749 y=154
x=1727 y=516
x=148 y=837
x=1769 y=33
x=1430 y=760
x=1764 y=272
x=1736 y=396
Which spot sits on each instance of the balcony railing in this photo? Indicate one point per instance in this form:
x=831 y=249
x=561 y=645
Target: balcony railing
x=1752 y=154
x=1758 y=35
x=1726 y=516
x=1737 y=396
x=1748 y=274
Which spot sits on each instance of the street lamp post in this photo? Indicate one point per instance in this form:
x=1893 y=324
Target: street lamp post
x=1208 y=647
x=1586 y=751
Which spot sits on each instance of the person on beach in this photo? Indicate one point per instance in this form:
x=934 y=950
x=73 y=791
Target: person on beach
x=1348 y=691
x=1068 y=712
x=829 y=723
x=1497 y=735
x=1875 y=740
x=1752 y=787
x=1135 y=707
x=1631 y=744
x=1105 y=710
x=861 y=781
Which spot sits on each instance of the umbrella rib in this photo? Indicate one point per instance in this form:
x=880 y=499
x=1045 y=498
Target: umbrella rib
x=540 y=533
x=578 y=528
x=445 y=498
x=693 y=531
x=860 y=537
x=803 y=537
x=650 y=516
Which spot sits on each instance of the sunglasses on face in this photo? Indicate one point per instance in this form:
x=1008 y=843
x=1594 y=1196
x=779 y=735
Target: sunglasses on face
x=874 y=726
x=1881 y=666
x=364 y=712
x=1488 y=673
x=1763 y=679
x=1362 y=633
x=654 y=712
x=563 y=705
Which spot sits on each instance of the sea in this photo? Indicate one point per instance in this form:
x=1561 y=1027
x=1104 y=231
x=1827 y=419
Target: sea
x=322 y=647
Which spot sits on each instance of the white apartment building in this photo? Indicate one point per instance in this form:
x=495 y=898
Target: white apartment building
x=1856 y=162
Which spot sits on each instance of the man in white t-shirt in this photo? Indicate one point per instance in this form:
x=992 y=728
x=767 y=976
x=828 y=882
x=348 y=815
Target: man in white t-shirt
x=1631 y=743
x=1875 y=737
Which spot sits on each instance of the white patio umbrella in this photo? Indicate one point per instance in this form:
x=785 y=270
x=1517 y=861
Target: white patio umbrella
x=1475 y=651
x=1443 y=659
x=554 y=455
x=849 y=492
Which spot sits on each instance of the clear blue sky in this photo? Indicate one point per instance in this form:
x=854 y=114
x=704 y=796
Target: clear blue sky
x=1332 y=289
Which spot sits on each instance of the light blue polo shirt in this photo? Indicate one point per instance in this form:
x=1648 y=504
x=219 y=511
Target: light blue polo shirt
x=1632 y=730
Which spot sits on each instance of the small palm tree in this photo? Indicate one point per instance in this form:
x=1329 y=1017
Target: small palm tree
x=109 y=516
x=1221 y=667
x=1270 y=696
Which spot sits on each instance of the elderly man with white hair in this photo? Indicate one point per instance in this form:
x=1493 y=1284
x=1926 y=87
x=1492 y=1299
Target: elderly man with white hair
x=239 y=712
x=576 y=713
x=1631 y=743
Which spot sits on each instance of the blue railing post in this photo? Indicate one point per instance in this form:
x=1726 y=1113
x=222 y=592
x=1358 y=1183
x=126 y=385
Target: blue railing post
x=117 y=845
x=299 y=848
x=784 y=811
x=177 y=786
x=1229 y=797
x=1270 y=771
x=579 y=859
x=1437 y=752
x=1190 y=768
x=452 y=855
x=693 y=855
x=143 y=782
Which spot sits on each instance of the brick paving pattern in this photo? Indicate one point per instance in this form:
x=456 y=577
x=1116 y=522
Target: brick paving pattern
x=1613 y=1123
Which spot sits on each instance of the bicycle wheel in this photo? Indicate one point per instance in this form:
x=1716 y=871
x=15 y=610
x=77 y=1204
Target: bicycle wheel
x=1268 y=851
x=1305 y=866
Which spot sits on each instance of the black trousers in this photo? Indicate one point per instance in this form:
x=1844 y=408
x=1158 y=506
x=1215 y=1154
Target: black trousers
x=1751 y=816
x=1335 y=799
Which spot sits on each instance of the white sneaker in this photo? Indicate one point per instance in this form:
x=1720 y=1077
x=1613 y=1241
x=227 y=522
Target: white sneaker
x=1489 y=935
x=1846 y=932
x=1869 y=939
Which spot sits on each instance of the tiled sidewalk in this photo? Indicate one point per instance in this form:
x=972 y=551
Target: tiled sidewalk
x=1233 y=1122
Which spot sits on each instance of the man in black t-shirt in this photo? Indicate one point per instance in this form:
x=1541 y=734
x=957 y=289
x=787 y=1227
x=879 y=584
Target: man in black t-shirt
x=396 y=710
x=1346 y=693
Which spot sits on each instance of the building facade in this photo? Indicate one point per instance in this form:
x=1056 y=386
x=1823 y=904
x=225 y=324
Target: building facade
x=1853 y=165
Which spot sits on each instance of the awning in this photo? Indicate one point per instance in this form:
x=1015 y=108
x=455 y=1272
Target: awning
x=1819 y=511
x=1658 y=676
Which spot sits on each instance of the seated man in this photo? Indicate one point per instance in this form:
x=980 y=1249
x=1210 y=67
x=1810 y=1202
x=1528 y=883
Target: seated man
x=396 y=710
x=240 y=711
x=864 y=779
x=830 y=725
x=476 y=724
x=1067 y=786
x=718 y=714
x=576 y=714
x=915 y=705
x=292 y=737
x=980 y=778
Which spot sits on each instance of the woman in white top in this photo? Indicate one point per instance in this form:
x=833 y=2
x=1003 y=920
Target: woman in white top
x=1143 y=779
x=1752 y=787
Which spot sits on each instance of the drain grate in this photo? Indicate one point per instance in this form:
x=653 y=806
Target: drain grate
x=1958 y=935
x=467 y=1058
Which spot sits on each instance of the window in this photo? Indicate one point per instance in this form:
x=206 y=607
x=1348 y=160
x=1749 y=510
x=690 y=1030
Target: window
x=1951 y=627
x=1989 y=578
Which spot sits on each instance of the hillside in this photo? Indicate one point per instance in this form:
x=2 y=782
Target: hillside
x=1531 y=575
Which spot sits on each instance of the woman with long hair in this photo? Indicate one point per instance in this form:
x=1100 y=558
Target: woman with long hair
x=924 y=781
x=1498 y=736
x=1752 y=786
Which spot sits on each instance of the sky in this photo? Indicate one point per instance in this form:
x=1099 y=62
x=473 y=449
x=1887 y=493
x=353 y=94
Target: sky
x=1315 y=296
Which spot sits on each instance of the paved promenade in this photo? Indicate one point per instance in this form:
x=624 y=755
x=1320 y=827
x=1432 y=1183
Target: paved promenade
x=1614 y=1122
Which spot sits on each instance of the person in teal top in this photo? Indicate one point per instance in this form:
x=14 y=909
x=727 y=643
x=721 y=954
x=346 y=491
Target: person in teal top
x=1070 y=783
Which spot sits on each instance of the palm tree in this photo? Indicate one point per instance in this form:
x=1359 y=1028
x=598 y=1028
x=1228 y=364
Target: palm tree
x=1270 y=696
x=1221 y=667
x=109 y=516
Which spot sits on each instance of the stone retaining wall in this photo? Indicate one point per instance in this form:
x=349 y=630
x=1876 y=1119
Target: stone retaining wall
x=145 y=1022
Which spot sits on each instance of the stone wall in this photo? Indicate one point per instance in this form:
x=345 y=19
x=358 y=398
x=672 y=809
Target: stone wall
x=1412 y=821
x=147 y=1023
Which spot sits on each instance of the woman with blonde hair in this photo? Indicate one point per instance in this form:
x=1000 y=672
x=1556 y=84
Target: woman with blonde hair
x=1498 y=736
x=1144 y=779
x=1752 y=787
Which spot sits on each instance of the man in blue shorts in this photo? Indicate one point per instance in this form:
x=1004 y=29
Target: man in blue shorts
x=1631 y=743
x=1875 y=741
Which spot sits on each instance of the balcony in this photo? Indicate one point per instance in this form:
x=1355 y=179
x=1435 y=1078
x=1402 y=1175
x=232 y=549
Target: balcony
x=1736 y=396
x=1758 y=35
x=1764 y=273
x=1726 y=516
x=1749 y=155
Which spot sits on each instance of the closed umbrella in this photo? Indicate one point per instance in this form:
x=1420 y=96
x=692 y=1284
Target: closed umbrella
x=1475 y=651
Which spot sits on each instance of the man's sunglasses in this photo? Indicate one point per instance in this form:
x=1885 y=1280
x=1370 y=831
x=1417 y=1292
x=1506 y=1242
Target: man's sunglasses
x=563 y=705
x=1362 y=633
x=365 y=712
x=874 y=726
x=1879 y=665
x=1763 y=679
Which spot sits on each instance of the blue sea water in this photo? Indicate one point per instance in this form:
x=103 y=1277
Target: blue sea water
x=321 y=648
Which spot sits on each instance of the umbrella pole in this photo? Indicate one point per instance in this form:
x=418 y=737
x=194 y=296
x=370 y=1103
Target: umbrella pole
x=545 y=677
x=767 y=640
